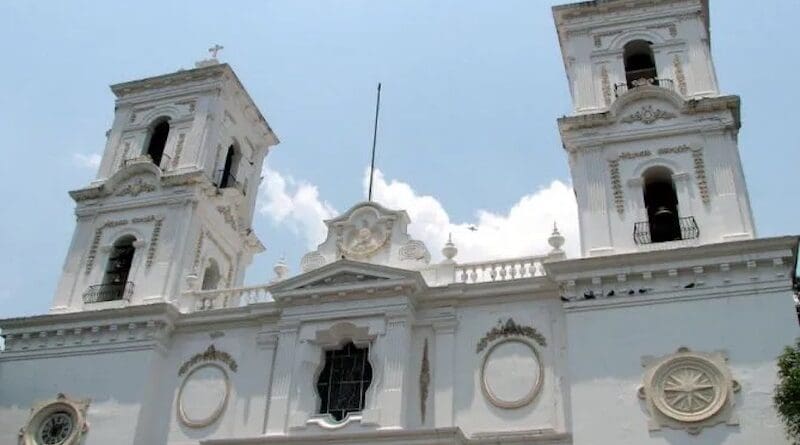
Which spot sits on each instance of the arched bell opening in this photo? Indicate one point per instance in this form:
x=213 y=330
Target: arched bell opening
x=640 y=64
x=661 y=202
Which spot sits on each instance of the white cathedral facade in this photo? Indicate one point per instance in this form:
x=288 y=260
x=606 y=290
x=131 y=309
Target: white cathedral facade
x=665 y=331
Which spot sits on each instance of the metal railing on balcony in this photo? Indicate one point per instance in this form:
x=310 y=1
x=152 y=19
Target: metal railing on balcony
x=646 y=233
x=223 y=181
x=108 y=292
x=621 y=88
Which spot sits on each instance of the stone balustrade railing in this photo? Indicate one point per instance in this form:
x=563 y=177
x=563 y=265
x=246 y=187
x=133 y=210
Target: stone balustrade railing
x=468 y=273
x=500 y=270
x=224 y=298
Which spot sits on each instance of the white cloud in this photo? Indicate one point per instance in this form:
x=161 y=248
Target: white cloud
x=521 y=231
x=296 y=205
x=91 y=160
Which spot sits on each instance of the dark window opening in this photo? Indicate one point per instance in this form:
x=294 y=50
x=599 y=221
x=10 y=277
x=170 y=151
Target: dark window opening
x=640 y=64
x=661 y=202
x=343 y=383
x=211 y=276
x=115 y=279
x=158 y=140
x=227 y=178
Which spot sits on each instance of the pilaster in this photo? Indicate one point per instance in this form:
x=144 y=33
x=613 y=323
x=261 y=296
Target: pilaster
x=444 y=361
x=278 y=405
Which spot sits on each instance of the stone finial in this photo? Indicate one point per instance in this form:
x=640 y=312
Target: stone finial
x=281 y=270
x=449 y=250
x=556 y=240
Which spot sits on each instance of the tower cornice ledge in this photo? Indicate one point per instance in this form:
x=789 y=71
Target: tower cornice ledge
x=754 y=249
x=567 y=124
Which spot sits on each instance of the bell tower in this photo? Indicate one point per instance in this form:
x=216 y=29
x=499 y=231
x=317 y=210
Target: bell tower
x=172 y=204
x=652 y=143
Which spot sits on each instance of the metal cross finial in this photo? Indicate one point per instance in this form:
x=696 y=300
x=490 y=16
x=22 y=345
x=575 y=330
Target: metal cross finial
x=215 y=49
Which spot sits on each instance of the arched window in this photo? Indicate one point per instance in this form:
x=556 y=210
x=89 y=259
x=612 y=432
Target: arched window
x=661 y=202
x=158 y=140
x=640 y=64
x=343 y=382
x=211 y=276
x=115 y=279
x=227 y=176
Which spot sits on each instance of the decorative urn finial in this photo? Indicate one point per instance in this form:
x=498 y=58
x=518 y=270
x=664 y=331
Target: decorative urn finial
x=556 y=240
x=449 y=250
x=281 y=270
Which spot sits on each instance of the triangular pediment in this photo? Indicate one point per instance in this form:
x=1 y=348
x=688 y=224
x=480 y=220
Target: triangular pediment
x=347 y=275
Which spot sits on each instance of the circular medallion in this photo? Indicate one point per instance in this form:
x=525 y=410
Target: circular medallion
x=56 y=428
x=364 y=234
x=203 y=395
x=689 y=389
x=58 y=422
x=512 y=374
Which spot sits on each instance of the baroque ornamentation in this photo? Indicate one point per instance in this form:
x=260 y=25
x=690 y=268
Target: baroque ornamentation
x=674 y=150
x=312 y=260
x=98 y=235
x=179 y=147
x=415 y=251
x=61 y=421
x=211 y=354
x=227 y=215
x=647 y=115
x=154 y=236
x=616 y=185
x=136 y=188
x=677 y=66
x=424 y=381
x=510 y=329
x=197 y=250
x=364 y=233
x=635 y=155
x=700 y=175
x=606 y=84
x=688 y=390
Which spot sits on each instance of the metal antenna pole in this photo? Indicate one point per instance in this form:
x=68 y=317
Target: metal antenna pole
x=374 y=141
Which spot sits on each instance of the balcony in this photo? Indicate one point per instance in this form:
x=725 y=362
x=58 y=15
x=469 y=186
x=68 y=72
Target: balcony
x=644 y=233
x=622 y=88
x=100 y=293
x=222 y=181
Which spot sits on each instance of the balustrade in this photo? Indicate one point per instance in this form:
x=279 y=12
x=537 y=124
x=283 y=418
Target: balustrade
x=224 y=298
x=501 y=270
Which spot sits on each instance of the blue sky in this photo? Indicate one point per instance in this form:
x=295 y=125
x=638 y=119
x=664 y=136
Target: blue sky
x=472 y=90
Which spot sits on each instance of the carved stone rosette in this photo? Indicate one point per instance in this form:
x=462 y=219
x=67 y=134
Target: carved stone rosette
x=60 y=421
x=689 y=390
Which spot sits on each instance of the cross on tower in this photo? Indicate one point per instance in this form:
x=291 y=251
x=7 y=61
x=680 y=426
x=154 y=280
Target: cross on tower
x=215 y=49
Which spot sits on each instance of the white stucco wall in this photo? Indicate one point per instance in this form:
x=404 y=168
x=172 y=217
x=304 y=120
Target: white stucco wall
x=606 y=347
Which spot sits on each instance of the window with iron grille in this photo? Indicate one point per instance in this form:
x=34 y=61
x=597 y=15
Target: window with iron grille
x=343 y=382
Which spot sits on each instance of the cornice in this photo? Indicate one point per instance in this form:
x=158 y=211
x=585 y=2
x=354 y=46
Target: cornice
x=133 y=328
x=567 y=124
x=434 y=436
x=172 y=79
x=219 y=72
x=784 y=246
x=582 y=12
